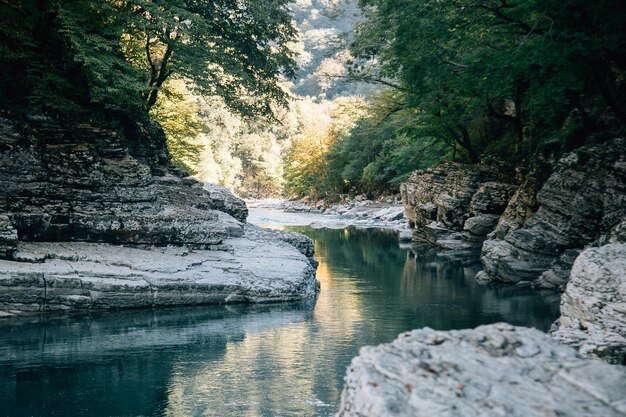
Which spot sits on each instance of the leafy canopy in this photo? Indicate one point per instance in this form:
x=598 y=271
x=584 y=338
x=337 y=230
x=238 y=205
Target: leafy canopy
x=71 y=55
x=518 y=71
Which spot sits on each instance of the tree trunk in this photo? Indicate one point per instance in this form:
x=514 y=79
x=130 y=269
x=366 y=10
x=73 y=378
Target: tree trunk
x=163 y=73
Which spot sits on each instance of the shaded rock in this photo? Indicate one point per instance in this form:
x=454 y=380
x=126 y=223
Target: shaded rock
x=8 y=238
x=582 y=200
x=593 y=307
x=221 y=199
x=559 y=272
x=481 y=225
x=67 y=184
x=495 y=370
x=523 y=204
x=492 y=197
x=448 y=195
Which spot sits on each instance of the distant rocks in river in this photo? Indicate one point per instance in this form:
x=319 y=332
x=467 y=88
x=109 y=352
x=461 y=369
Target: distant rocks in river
x=70 y=196
x=385 y=213
x=494 y=370
x=455 y=205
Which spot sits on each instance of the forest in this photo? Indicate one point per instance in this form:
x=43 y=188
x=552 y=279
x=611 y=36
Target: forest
x=327 y=97
x=313 y=208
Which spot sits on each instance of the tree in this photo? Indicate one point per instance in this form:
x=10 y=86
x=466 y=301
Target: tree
x=230 y=48
x=521 y=69
x=122 y=52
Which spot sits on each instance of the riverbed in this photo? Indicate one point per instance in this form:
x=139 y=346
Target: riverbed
x=264 y=360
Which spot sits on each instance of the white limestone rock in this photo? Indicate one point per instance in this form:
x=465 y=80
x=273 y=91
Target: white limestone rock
x=593 y=307
x=494 y=370
x=257 y=267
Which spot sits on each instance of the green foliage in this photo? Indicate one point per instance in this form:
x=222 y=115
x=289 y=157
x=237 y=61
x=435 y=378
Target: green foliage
x=216 y=145
x=513 y=72
x=363 y=148
x=71 y=56
x=382 y=149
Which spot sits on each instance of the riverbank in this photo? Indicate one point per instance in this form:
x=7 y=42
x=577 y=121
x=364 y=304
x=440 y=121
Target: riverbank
x=89 y=220
x=359 y=212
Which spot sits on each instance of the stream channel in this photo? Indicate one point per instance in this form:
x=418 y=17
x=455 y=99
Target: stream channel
x=254 y=360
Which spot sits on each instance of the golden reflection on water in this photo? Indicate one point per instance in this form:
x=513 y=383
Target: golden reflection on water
x=370 y=291
x=240 y=382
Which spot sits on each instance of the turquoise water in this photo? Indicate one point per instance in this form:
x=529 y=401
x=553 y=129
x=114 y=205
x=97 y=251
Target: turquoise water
x=272 y=360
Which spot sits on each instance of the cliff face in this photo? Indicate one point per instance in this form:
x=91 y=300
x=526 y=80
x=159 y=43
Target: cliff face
x=69 y=194
x=455 y=202
x=82 y=184
x=582 y=202
x=534 y=229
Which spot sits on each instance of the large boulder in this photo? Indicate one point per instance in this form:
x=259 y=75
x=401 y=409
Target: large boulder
x=495 y=370
x=583 y=200
x=593 y=306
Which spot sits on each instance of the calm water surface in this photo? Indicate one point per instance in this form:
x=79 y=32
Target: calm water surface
x=279 y=360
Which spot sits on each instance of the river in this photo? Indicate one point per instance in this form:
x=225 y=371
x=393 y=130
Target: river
x=267 y=360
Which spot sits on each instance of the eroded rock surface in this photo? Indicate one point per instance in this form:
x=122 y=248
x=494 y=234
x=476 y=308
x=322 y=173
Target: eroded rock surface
x=593 y=307
x=71 y=196
x=82 y=184
x=256 y=267
x=495 y=370
x=455 y=202
x=582 y=201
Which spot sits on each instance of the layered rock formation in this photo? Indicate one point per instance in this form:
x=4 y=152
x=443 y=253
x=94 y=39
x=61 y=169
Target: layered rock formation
x=495 y=370
x=593 y=306
x=582 y=202
x=63 y=185
x=535 y=229
x=453 y=203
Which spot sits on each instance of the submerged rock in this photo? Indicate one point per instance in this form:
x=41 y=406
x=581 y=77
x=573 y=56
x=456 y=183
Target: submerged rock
x=495 y=370
x=593 y=307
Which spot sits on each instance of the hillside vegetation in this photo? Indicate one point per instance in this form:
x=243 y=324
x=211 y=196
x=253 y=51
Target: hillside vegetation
x=325 y=97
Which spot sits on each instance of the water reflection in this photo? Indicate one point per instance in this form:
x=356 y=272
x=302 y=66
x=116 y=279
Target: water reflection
x=281 y=360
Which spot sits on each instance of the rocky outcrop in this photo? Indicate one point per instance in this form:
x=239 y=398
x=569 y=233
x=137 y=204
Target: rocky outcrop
x=82 y=185
x=593 y=306
x=455 y=202
x=84 y=190
x=60 y=276
x=8 y=238
x=583 y=200
x=495 y=370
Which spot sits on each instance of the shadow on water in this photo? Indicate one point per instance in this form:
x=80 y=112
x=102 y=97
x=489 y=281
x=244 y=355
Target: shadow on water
x=268 y=360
